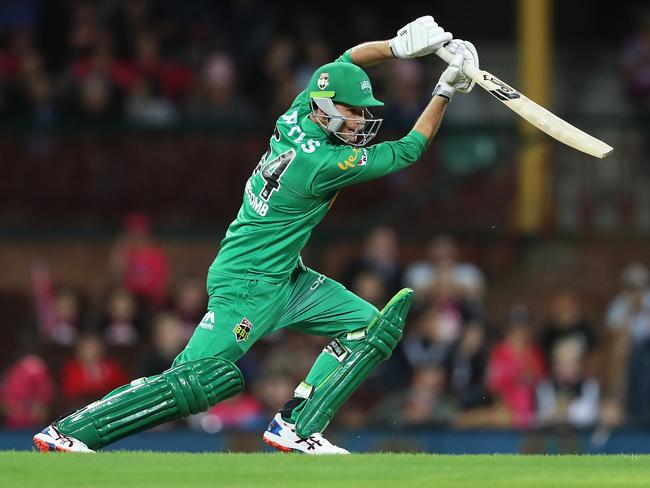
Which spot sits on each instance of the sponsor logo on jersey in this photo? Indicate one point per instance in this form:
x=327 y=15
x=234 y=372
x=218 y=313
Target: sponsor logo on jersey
x=319 y=281
x=207 y=322
x=323 y=81
x=350 y=161
x=366 y=87
x=296 y=134
x=242 y=329
x=364 y=158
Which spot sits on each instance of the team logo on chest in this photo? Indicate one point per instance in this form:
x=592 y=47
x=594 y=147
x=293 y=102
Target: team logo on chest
x=242 y=329
x=323 y=81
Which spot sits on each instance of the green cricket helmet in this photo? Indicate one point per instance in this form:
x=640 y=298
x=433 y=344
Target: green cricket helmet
x=348 y=84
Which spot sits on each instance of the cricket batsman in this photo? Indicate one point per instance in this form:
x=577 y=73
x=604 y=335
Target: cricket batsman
x=258 y=283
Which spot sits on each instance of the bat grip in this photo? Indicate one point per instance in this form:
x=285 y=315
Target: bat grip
x=468 y=68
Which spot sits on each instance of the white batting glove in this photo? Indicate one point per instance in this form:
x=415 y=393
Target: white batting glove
x=453 y=79
x=470 y=55
x=418 y=38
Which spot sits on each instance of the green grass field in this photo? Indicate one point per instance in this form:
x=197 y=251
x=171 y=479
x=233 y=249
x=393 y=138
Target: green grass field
x=142 y=469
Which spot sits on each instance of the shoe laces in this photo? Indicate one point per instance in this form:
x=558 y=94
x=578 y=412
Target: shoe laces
x=316 y=439
x=62 y=437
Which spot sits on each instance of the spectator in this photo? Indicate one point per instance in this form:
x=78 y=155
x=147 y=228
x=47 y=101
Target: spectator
x=67 y=317
x=166 y=342
x=95 y=100
x=515 y=369
x=316 y=53
x=272 y=390
x=443 y=255
x=467 y=368
x=369 y=285
x=569 y=397
x=278 y=73
x=102 y=63
x=380 y=254
x=189 y=304
x=169 y=78
x=85 y=30
x=127 y=19
x=405 y=80
x=90 y=374
x=139 y=262
x=40 y=106
x=120 y=325
x=439 y=326
x=27 y=393
x=145 y=107
x=216 y=98
x=426 y=402
x=628 y=321
x=567 y=320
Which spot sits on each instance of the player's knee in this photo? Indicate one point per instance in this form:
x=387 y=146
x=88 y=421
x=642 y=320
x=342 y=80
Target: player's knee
x=198 y=385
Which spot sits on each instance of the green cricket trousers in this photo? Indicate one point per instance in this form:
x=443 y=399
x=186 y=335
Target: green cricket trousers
x=241 y=311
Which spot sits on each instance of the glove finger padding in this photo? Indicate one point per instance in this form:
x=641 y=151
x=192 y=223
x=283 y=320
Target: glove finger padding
x=435 y=35
x=469 y=55
x=438 y=37
x=419 y=38
x=454 y=75
x=450 y=78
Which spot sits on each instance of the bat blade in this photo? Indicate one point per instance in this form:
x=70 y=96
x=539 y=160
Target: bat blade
x=537 y=115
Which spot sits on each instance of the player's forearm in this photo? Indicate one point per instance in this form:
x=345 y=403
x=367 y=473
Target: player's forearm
x=430 y=119
x=370 y=53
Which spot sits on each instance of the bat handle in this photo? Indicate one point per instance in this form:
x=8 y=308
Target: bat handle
x=468 y=68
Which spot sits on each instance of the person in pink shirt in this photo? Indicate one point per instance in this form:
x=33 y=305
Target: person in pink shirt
x=26 y=393
x=140 y=263
x=515 y=368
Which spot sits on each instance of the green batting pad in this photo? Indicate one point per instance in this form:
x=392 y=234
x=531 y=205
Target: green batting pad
x=186 y=389
x=383 y=334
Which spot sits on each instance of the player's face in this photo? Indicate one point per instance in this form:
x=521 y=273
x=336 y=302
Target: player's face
x=354 y=121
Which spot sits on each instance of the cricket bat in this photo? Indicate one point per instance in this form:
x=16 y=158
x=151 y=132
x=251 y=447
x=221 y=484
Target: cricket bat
x=537 y=115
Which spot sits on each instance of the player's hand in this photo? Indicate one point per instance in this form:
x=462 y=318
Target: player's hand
x=467 y=49
x=453 y=78
x=419 y=38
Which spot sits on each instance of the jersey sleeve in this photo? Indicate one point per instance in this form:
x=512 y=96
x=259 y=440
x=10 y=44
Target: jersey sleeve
x=350 y=165
x=345 y=58
x=301 y=99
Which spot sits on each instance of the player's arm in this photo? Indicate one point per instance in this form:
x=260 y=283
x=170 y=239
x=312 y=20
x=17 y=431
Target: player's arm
x=452 y=80
x=351 y=165
x=418 y=38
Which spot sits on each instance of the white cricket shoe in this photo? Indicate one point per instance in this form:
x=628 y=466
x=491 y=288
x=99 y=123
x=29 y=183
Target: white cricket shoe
x=51 y=440
x=282 y=436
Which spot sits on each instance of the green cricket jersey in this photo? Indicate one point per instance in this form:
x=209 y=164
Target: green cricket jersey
x=293 y=187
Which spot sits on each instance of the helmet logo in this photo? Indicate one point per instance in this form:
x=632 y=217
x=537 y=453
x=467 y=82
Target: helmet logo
x=324 y=81
x=365 y=86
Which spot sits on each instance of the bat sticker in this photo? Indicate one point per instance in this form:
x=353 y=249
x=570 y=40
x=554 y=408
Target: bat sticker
x=504 y=92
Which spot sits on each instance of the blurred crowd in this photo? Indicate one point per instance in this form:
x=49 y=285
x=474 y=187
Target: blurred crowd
x=233 y=63
x=458 y=365
x=162 y=63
